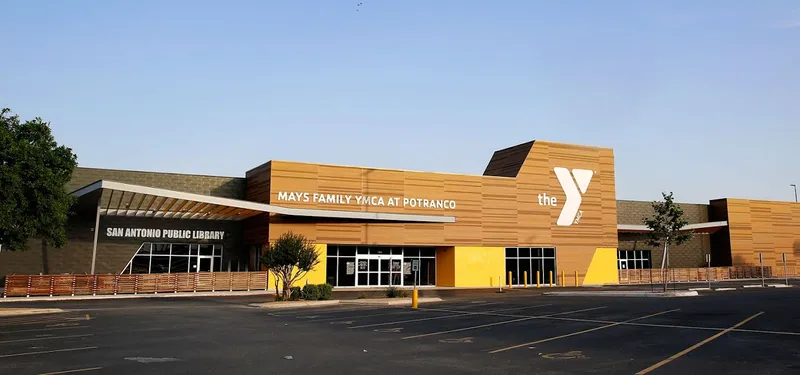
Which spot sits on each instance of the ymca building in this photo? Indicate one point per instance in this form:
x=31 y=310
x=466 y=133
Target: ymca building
x=538 y=206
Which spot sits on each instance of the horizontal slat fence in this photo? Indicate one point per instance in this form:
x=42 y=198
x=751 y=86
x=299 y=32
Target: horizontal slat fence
x=77 y=285
x=646 y=276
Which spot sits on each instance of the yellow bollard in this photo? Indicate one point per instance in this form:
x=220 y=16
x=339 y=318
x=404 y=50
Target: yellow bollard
x=509 y=279
x=563 y=279
x=538 y=280
x=551 y=278
x=414 y=299
x=576 y=278
x=525 y=277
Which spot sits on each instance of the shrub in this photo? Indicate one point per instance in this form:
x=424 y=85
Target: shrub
x=295 y=293
x=278 y=298
x=395 y=292
x=311 y=292
x=361 y=295
x=325 y=291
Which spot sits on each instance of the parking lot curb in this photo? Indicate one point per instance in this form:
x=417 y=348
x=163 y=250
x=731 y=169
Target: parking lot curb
x=294 y=304
x=27 y=311
x=682 y=293
x=779 y=286
x=132 y=296
x=752 y=286
x=723 y=289
x=390 y=301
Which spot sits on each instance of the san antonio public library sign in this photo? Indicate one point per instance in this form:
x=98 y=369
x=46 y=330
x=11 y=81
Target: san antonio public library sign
x=174 y=234
x=365 y=200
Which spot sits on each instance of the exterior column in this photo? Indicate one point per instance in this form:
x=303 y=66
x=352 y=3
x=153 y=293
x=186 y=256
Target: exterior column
x=96 y=233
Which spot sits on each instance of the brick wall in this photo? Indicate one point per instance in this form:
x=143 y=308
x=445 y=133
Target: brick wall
x=113 y=254
x=228 y=187
x=690 y=254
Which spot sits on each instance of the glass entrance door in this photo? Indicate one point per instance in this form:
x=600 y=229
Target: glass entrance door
x=379 y=270
x=204 y=264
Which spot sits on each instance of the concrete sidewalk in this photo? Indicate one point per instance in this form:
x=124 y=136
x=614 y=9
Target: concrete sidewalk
x=644 y=294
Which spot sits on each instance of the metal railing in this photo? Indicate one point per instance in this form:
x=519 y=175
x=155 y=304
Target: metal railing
x=700 y=274
x=110 y=284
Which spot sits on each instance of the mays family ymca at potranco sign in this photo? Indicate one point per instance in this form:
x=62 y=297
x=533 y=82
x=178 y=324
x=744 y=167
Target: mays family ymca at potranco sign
x=365 y=200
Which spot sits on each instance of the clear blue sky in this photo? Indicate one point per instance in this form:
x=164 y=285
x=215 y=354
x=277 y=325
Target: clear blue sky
x=698 y=97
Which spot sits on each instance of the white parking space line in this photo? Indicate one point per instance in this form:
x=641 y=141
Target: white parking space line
x=577 y=333
x=46 y=338
x=47 y=352
x=72 y=371
x=493 y=324
x=675 y=326
x=409 y=321
x=359 y=316
x=695 y=346
x=323 y=310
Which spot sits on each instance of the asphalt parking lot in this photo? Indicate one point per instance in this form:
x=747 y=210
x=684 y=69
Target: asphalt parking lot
x=739 y=332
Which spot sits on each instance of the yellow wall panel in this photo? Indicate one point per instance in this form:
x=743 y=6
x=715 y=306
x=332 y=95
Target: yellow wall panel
x=478 y=266
x=603 y=268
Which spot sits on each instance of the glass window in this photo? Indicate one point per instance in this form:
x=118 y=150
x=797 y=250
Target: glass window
x=634 y=259
x=411 y=251
x=180 y=249
x=144 y=249
x=347 y=251
x=427 y=271
x=206 y=249
x=427 y=252
x=525 y=269
x=179 y=264
x=397 y=251
x=174 y=258
x=332 y=250
x=161 y=249
x=347 y=271
x=140 y=264
x=330 y=270
x=530 y=260
x=362 y=250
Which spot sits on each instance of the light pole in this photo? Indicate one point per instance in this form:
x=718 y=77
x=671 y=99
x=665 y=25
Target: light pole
x=795 y=191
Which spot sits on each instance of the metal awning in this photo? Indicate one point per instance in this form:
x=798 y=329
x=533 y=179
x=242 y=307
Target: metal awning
x=709 y=227
x=128 y=200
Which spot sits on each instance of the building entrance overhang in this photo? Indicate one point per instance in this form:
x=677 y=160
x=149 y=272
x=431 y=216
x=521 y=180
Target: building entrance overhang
x=700 y=228
x=113 y=198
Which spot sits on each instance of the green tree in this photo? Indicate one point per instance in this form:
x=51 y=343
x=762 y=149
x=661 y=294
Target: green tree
x=33 y=171
x=290 y=258
x=665 y=228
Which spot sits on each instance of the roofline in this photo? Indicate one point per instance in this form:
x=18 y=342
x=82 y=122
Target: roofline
x=157 y=172
x=255 y=206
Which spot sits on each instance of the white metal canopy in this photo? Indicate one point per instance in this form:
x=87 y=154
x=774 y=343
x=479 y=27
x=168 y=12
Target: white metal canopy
x=120 y=199
x=708 y=227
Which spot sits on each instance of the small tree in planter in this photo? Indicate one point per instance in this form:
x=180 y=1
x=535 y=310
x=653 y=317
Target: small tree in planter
x=290 y=258
x=666 y=227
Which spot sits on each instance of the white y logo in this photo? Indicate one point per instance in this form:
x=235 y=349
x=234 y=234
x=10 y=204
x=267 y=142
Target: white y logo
x=570 y=187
